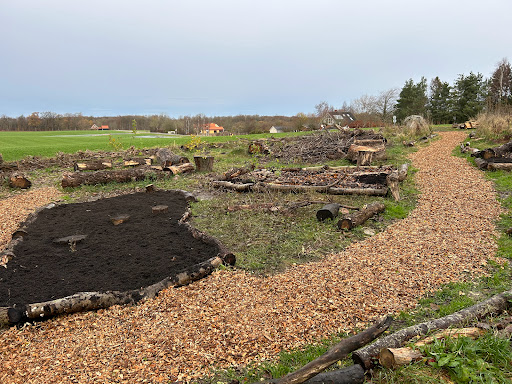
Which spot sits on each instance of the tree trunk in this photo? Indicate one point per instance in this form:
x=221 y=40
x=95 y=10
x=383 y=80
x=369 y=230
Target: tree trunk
x=203 y=163
x=358 y=191
x=360 y=217
x=393 y=180
x=495 y=305
x=234 y=186
x=182 y=168
x=92 y=165
x=328 y=211
x=481 y=163
x=364 y=157
x=350 y=375
x=103 y=177
x=395 y=357
x=167 y=158
x=337 y=352
x=18 y=180
x=499 y=166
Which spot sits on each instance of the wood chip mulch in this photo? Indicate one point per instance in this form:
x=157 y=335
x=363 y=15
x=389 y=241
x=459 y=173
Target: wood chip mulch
x=234 y=318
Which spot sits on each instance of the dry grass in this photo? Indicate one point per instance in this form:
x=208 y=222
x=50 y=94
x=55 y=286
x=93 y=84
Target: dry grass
x=495 y=126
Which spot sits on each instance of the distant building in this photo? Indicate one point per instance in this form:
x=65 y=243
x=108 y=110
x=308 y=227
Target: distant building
x=274 y=129
x=102 y=128
x=339 y=118
x=212 y=129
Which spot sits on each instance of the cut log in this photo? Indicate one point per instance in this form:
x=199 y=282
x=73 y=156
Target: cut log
x=70 y=239
x=402 y=171
x=9 y=316
x=395 y=357
x=328 y=211
x=137 y=161
x=499 y=166
x=159 y=209
x=360 y=217
x=350 y=375
x=234 y=186
x=393 y=182
x=452 y=333
x=92 y=165
x=103 y=177
x=500 y=151
x=290 y=188
x=358 y=191
x=168 y=158
x=182 y=168
x=18 y=180
x=236 y=172
x=493 y=305
x=337 y=352
x=204 y=163
x=481 y=163
x=119 y=219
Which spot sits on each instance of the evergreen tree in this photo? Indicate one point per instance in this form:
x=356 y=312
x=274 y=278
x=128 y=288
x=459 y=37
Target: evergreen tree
x=412 y=100
x=439 y=103
x=469 y=94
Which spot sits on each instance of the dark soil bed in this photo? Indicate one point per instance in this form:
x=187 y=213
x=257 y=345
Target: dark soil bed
x=137 y=253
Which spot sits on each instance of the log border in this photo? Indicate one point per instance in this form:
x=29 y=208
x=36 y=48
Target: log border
x=87 y=301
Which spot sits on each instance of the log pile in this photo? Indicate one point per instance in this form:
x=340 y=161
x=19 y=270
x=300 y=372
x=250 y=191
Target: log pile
x=493 y=159
x=350 y=180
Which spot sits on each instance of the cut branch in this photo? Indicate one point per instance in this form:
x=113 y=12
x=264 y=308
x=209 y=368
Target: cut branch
x=495 y=305
x=360 y=217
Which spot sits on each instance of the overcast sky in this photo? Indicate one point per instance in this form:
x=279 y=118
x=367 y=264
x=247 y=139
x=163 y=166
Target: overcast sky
x=230 y=57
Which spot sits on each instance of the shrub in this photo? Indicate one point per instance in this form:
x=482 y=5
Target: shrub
x=494 y=125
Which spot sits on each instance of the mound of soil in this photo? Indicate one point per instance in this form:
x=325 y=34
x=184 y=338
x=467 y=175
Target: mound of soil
x=137 y=253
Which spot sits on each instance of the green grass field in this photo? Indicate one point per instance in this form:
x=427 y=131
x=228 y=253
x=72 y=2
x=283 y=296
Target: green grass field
x=17 y=145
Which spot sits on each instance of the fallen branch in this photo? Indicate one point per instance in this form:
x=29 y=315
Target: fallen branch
x=495 y=304
x=338 y=352
x=358 y=218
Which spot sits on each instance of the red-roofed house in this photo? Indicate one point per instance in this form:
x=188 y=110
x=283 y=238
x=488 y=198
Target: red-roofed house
x=212 y=129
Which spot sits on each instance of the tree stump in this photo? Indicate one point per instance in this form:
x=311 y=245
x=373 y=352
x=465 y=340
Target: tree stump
x=167 y=158
x=17 y=180
x=393 y=180
x=328 y=211
x=159 y=209
x=203 y=163
x=119 y=219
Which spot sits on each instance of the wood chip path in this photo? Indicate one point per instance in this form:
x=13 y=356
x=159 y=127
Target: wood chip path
x=232 y=319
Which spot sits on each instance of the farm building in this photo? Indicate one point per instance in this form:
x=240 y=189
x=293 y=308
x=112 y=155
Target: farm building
x=100 y=128
x=274 y=129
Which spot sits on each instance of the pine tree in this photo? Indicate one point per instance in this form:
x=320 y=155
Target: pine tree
x=439 y=101
x=412 y=100
x=469 y=94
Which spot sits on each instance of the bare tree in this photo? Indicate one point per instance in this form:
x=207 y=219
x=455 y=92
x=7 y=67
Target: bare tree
x=322 y=108
x=385 y=103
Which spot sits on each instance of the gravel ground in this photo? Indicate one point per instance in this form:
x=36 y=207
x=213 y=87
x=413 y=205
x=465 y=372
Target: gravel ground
x=231 y=319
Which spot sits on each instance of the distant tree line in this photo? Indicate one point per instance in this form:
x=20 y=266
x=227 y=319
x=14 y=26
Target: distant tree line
x=240 y=124
x=438 y=101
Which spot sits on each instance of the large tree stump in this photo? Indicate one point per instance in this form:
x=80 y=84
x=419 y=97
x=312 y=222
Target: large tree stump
x=18 y=180
x=203 y=163
x=168 y=158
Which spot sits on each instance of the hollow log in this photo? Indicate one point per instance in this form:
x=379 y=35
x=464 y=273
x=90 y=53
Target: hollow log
x=402 y=171
x=92 y=165
x=234 y=186
x=494 y=305
x=395 y=357
x=204 y=163
x=360 y=217
x=358 y=191
x=18 y=180
x=499 y=166
x=103 y=177
x=337 y=352
x=328 y=211
x=481 y=163
x=168 y=158
x=393 y=180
